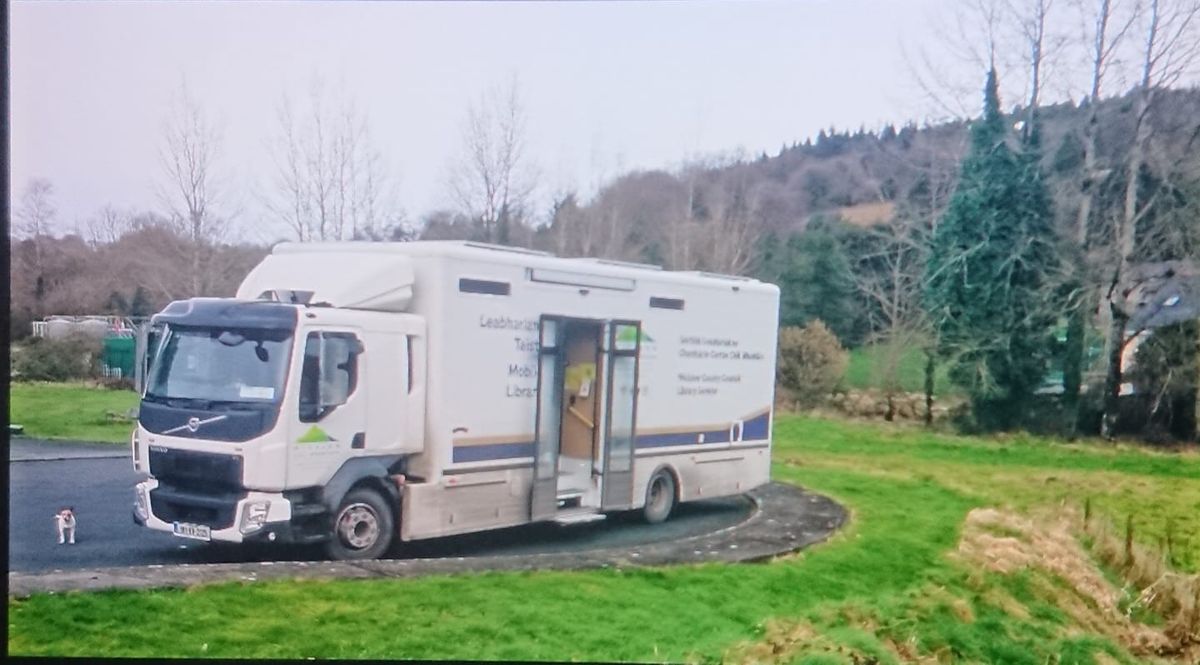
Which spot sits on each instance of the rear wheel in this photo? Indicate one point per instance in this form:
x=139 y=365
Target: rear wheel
x=362 y=527
x=660 y=497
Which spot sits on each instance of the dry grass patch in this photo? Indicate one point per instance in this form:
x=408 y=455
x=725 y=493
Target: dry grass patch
x=1159 y=589
x=1049 y=543
x=787 y=642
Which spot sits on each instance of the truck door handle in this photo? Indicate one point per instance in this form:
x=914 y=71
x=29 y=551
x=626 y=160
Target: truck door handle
x=359 y=440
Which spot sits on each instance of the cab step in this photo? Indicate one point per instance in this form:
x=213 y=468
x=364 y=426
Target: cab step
x=584 y=516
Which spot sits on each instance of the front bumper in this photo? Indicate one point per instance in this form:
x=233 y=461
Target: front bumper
x=278 y=518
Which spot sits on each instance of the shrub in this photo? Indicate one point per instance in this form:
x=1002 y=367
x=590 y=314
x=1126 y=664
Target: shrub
x=1164 y=377
x=811 y=362
x=58 y=359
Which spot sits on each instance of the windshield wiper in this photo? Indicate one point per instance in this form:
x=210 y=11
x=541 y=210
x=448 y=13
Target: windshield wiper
x=180 y=402
x=205 y=404
x=238 y=402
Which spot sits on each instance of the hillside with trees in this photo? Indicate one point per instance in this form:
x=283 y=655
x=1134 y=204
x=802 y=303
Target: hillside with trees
x=844 y=223
x=1002 y=246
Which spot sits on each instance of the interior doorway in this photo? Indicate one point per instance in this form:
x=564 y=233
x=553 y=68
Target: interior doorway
x=578 y=463
x=586 y=415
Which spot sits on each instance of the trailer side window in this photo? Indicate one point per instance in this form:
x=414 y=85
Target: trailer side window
x=329 y=375
x=467 y=285
x=666 y=303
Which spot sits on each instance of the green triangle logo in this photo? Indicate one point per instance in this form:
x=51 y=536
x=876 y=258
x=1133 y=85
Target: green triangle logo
x=314 y=435
x=628 y=334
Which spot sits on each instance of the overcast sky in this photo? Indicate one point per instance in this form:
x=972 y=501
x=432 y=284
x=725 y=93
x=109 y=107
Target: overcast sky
x=608 y=87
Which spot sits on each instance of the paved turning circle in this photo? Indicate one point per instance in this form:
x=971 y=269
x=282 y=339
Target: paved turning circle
x=772 y=520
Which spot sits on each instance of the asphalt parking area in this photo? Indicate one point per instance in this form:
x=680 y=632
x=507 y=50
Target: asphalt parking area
x=775 y=519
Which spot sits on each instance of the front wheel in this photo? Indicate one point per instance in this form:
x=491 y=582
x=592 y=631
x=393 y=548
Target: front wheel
x=660 y=497
x=362 y=527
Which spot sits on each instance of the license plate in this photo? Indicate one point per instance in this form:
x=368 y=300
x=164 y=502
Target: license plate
x=197 y=531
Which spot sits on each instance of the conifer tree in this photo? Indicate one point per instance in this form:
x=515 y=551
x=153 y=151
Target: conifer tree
x=989 y=273
x=816 y=283
x=140 y=305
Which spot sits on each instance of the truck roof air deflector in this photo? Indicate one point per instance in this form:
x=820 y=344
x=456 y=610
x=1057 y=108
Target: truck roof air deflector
x=356 y=280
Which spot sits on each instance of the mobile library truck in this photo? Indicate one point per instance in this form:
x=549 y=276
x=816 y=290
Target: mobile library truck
x=356 y=393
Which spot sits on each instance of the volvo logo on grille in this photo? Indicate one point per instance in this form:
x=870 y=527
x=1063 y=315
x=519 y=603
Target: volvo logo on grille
x=193 y=424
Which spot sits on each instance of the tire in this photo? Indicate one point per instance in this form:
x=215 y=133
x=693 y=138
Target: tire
x=660 y=497
x=363 y=527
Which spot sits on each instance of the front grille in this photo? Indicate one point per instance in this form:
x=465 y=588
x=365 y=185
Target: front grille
x=198 y=472
x=171 y=504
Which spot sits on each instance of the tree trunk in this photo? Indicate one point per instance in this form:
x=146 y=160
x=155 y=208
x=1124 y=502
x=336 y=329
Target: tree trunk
x=1196 y=396
x=1073 y=366
x=930 y=371
x=1112 y=379
x=196 y=269
x=1125 y=241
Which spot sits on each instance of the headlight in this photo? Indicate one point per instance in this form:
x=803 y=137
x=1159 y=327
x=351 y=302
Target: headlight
x=142 y=502
x=254 y=516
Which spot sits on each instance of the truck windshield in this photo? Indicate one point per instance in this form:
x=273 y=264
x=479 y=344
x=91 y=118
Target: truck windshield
x=220 y=365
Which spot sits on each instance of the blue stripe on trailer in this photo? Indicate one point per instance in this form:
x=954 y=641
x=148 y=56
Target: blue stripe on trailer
x=757 y=428
x=493 y=451
x=682 y=438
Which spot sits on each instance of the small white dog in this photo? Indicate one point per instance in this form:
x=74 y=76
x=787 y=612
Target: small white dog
x=65 y=521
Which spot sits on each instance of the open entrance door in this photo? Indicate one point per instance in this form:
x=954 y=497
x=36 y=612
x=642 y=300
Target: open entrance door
x=586 y=416
x=543 y=501
x=622 y=352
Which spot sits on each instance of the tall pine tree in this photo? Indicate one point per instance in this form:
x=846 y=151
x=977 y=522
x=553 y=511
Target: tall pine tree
x=815 y=281
x=989 y=273
x=818 y=284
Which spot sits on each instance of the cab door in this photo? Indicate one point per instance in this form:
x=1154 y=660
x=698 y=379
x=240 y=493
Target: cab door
x=328 y=419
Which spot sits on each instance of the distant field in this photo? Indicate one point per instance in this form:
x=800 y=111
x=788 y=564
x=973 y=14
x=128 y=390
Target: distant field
x=958 y=550
x=71 y=411
x=861 y=373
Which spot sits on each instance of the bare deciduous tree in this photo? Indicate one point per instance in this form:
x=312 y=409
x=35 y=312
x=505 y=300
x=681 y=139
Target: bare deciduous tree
x=106 y=226
x=1169 y=50
x=1106 y=25
x=330 y=182
x=35 y=217
x=37 y=210
x=1044 y=45
x=733 y=209
x=32 y=223
x=889 y=275
x=191 y=192
x=681 y=231
x=492 y=180
x=976 y=32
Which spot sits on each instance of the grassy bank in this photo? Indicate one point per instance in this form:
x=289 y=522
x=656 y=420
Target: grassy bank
x=903 y=582
x=71 y=411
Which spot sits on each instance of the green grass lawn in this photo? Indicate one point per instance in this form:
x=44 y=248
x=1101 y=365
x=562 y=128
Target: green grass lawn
x=862 y=372
x=889 y=587
x=71 y=411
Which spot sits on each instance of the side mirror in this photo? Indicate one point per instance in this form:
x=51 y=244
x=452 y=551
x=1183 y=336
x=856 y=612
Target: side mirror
x=145 y=347
x=145 y=339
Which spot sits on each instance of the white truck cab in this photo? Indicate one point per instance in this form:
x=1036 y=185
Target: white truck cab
x=355 y=394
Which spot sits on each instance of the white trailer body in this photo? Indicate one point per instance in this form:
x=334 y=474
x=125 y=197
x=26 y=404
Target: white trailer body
x=473 y=387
